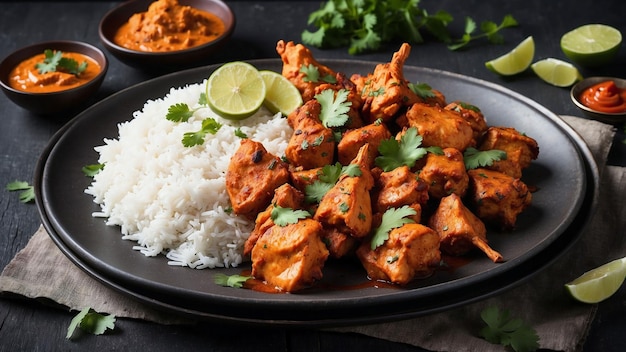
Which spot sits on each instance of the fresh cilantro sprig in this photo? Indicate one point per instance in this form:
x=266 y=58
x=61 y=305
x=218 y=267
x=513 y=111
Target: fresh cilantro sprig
x=209 y=126
x=423 y=90
x=334 y=111
x=54 y=61
x=90 y=321
x=27 y=192
x=407 y=151
x=507 y=331
x=180 y=112
x=488 y=29
x=364 y=25
x=329 y=175
x=312 y=74
x=391 y=219
x=235 y=281
x=474 y=158
x=285 y=216
x=92 y=169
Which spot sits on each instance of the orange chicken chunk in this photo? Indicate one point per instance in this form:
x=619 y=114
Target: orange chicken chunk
x=290 y=257
x=497 y=198
x=252 y=176
x=411 y=250
x=459 y=229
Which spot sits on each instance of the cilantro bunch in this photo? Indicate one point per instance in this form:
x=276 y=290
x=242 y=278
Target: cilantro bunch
x=363 y=25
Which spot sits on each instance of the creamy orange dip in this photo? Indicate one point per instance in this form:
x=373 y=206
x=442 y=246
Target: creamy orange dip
x=26 y=77
x=168 y=26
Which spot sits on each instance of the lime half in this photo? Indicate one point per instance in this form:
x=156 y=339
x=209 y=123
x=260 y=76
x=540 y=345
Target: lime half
x=516 y=60
x=281 y=95
x=235 y=90
x=556 y=72
x=600 y=283
x=592 y=44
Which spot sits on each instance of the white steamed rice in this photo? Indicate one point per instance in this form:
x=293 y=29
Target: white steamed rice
x=172 y=199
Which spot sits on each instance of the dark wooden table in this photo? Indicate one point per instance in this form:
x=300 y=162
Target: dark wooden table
x=31 y=325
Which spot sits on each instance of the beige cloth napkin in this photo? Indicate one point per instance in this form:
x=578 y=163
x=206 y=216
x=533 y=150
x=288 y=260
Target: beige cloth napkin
x=40 y=271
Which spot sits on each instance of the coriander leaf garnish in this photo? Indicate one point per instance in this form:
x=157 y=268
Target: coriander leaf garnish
x=488 y=29
x=239 y=133
x=27 y=192
x=235 y=281
x=54 y=61
x=209 y=125
x=334 y=112
x=394 y=153
x=312 y=74
x=328 y=177
x=285 y=216
x=506 y=331
x=179 y=112
x=475 y=158
x=92 y=169
x=90 y=321
x=423 y=90
x=392 y=218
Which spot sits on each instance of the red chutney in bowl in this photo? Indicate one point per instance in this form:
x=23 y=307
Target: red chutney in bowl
x=604 y=97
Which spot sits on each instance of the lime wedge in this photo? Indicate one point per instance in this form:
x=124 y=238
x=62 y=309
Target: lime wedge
x=516 y=60
x=556 y=72
x=600 y=283
x=235 y=90
x=592 y=44
x=280 y=95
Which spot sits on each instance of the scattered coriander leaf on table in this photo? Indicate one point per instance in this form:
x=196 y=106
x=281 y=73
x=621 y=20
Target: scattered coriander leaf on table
x=504 y=330
x=488 y=29
x=27 y=192
x=90 y=321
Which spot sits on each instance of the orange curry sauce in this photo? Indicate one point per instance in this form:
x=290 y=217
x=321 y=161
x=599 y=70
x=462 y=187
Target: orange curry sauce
x=168 y=26
x=26 y=76
x=605 y=97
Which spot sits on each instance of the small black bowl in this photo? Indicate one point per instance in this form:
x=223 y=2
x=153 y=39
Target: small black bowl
x=53 y=102
x=579 y=87
x=115 y=18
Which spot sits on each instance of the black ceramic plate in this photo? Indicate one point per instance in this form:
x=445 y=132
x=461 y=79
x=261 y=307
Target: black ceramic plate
x=564 y=175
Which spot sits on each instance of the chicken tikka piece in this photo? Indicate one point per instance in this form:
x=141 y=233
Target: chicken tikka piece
x=496 y=197
x=473 y=116
x=312 y=144
x=399 y=187
x=352 y=140
x=252 y=176
x=459 y=229
x=290 y=257
x=440 y=127
x=520 y=149
x=297 y=59
x=411 y=251
x=285 y=196
x=445 y=173
x=347 y=205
